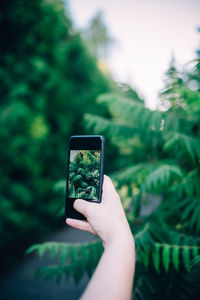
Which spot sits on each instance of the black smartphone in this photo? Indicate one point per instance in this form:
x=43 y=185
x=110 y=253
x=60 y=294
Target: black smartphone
x=84 y=171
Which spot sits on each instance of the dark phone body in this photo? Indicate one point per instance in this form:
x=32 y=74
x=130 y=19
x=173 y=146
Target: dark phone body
x=84 y=142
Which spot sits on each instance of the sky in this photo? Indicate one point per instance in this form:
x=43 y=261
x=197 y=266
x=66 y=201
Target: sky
x=148 y=33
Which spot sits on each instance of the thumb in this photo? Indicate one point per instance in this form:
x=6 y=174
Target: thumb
x=81 y=206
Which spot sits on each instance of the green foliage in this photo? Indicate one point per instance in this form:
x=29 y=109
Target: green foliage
x=46 y=76
x=150 y=284
x=161 y=150
x=184 y=143
x=73 y=259
x=161 y=177
x=159 y=157
x=84 y=172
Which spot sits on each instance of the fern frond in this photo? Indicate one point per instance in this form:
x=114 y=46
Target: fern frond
x=150 y=176
x=156 y=257
x=73 y=258
x=193 y=100
x=50 y=272
x=132 y=112
x=195 y=261
x=165 y=249
x=183 y=142
x=167 y=255
x=188 y=186
x=146 y=238
x=161 y=176
x=102 y=125
x=132 y=174
x=190 y=212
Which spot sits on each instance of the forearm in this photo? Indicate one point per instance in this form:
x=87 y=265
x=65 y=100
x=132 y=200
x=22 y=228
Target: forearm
x=113 y=277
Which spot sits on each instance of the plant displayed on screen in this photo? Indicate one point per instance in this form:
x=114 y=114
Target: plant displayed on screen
x=84 y=174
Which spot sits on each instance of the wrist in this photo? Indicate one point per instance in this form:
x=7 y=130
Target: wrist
x=121 y=237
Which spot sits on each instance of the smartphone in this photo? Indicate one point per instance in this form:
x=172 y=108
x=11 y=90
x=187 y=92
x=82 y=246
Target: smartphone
x=84 y=171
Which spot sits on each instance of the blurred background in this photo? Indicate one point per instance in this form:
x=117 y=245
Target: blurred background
x=129 y=70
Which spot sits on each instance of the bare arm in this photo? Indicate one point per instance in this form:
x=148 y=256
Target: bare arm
x=114 y=274
x=113 y=277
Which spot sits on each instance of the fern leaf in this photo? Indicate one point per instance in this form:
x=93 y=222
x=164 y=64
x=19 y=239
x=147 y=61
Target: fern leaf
x=48 y=272
x=50 y=247
x=188 y=185
x=132 y=112
x=190 y=212
x=186 y=257
x=54 y=250
x=143 y=240
x=32 y=248
x=74 y=259
x=129 y=174
x=195 y=219
x=186 y=206
x=195 y=251
x=175 y=257
x=166 y=257
x=161 y=177
x=189 y=144
x=101 y=125
x=156 y=257
x=64 y=252
x=195 y=261
x=146 y=258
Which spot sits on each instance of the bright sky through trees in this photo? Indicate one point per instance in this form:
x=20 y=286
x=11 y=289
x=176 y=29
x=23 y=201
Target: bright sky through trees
x=148 y=32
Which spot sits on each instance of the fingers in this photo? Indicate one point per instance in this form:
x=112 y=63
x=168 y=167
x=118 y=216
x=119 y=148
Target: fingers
x=107 y=183
x=84 y=207
x=81 y=206
x=108 y=186
x=82 y=225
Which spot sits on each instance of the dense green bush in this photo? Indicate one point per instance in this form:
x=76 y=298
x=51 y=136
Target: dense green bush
x=48 y=81
x=159 y=186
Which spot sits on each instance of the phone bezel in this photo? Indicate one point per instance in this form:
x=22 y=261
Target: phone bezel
x=84 y=142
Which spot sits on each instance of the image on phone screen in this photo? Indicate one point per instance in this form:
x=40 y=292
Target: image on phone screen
x=84 y=174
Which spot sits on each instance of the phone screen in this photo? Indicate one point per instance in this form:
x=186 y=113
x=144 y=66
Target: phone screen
x=85 y=171
x=84 y=174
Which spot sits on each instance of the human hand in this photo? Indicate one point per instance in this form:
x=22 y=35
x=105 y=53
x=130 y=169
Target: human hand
x=106 y=219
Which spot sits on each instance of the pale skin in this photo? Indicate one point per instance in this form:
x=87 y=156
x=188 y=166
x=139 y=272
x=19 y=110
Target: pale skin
x=113 y=277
